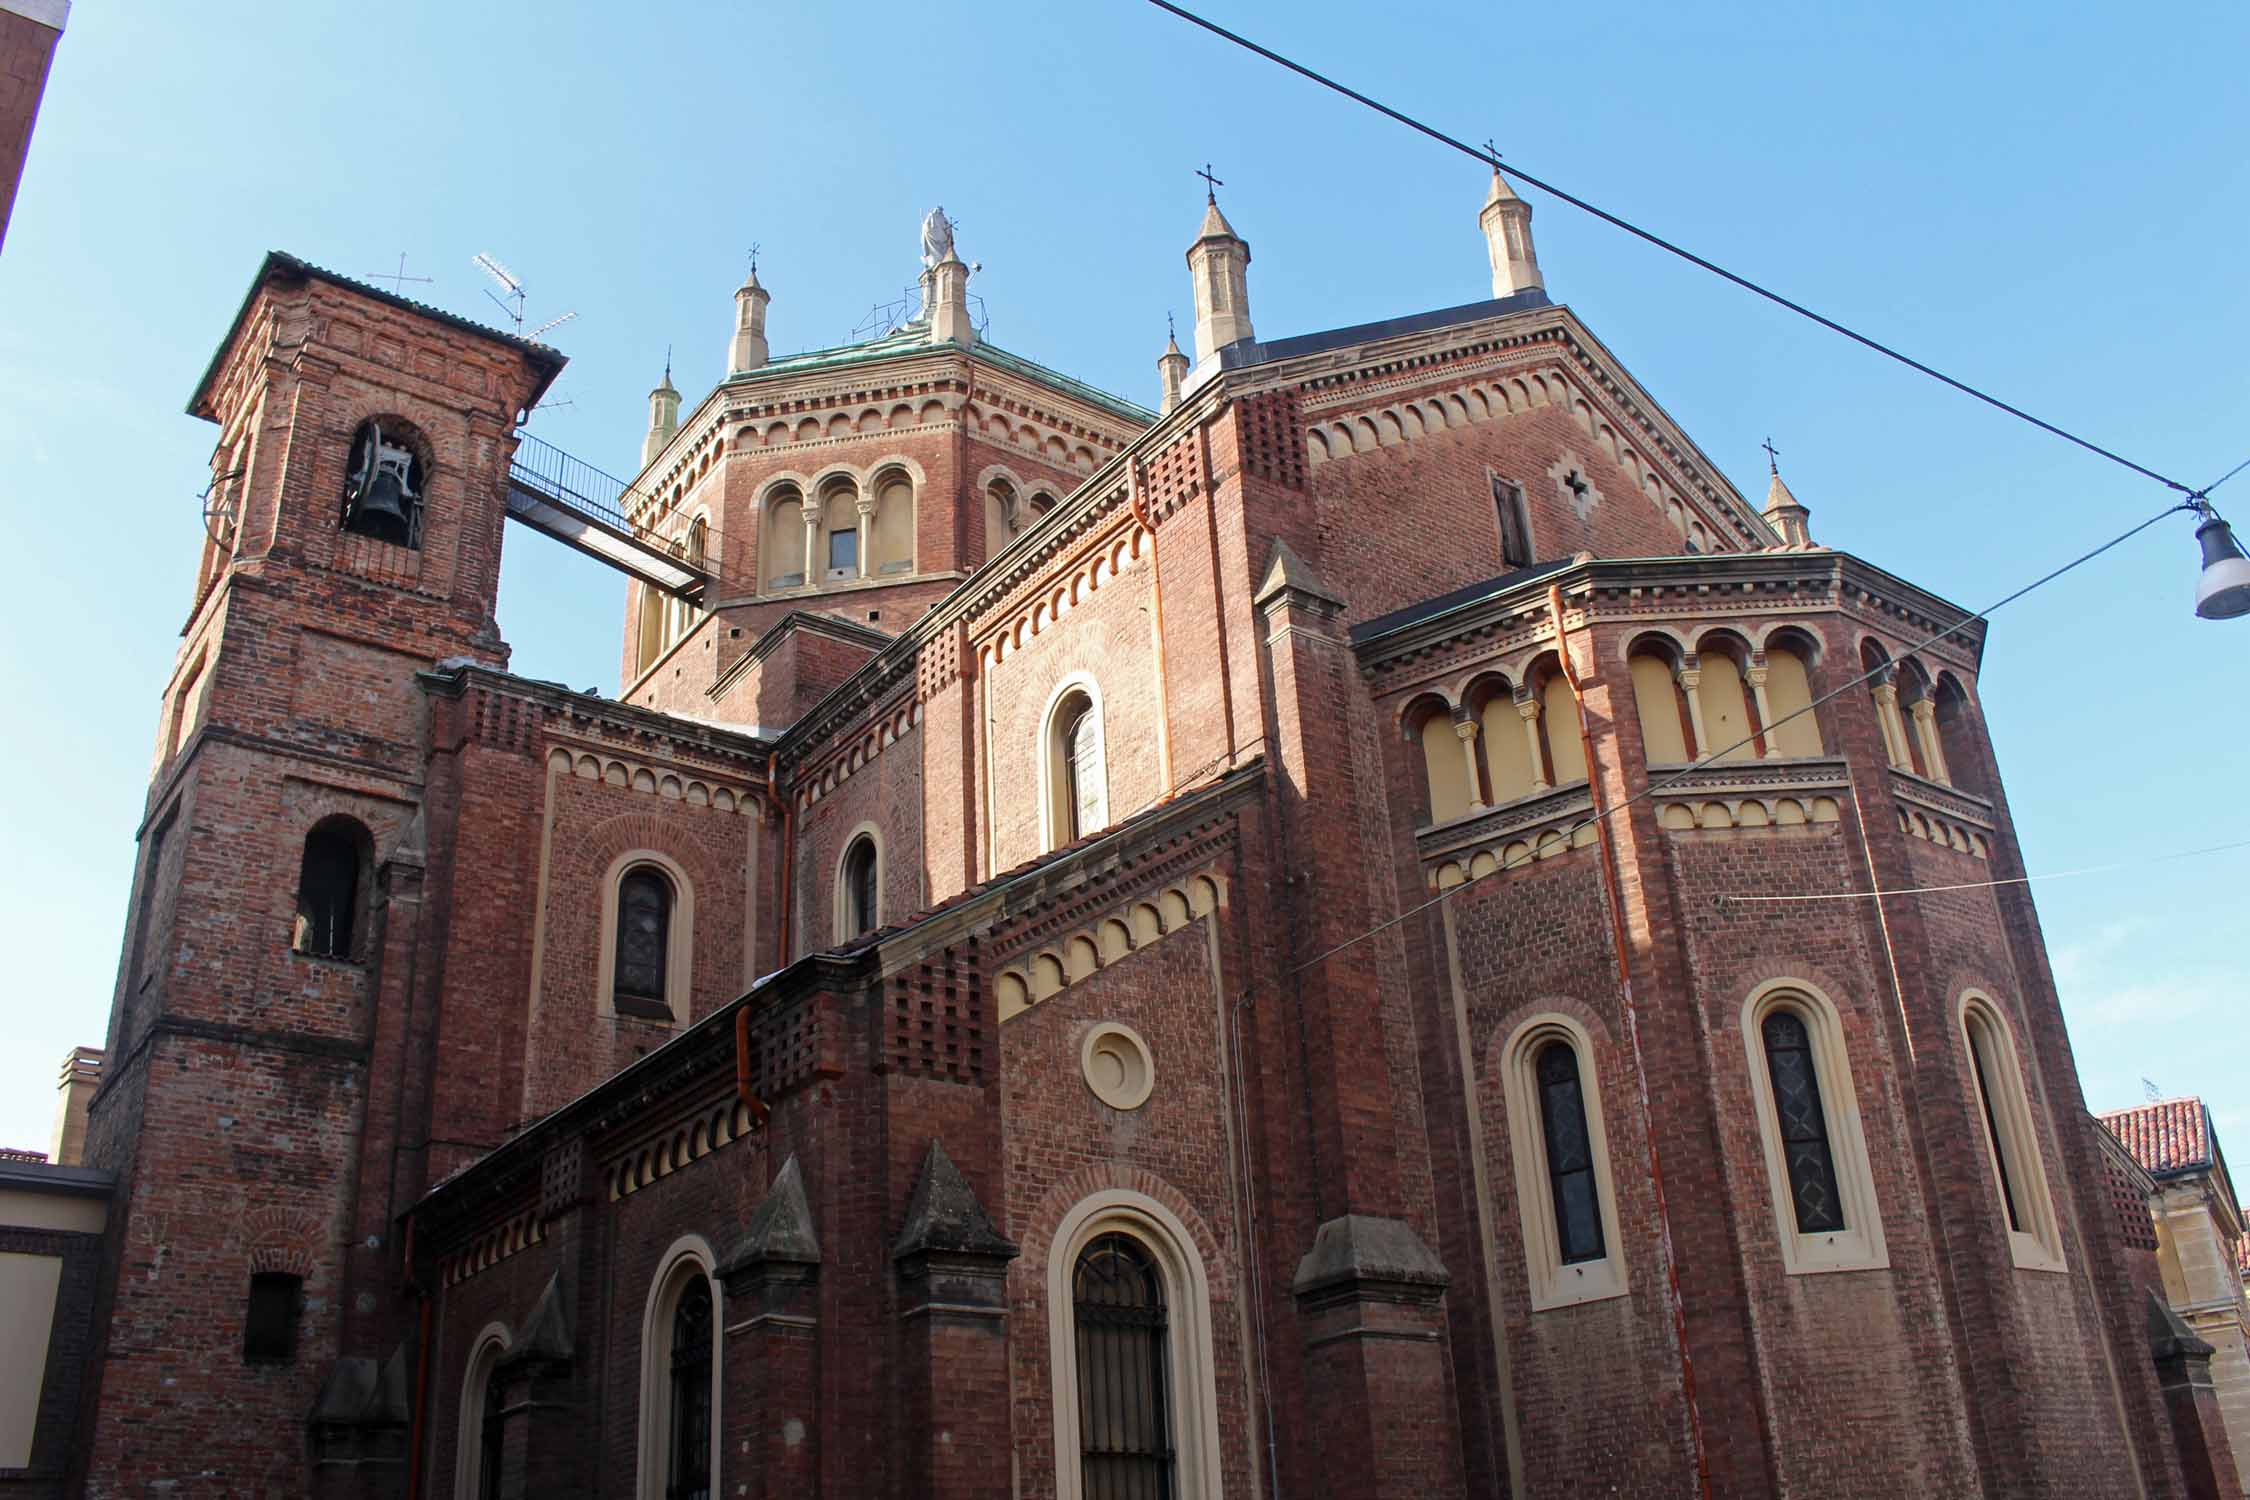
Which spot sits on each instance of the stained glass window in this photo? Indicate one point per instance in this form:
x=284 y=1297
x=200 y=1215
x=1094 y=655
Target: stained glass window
x=859 y=887
x=644 y=932
x=1806 y=1155
x=1088 y=796
x=1570 y=1155
x=1124 y=1399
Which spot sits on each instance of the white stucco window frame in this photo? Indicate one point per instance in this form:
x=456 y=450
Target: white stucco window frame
x=2038 y=1245
x=689 y=1255
x=1191 y=1358
x=840 y=894
x=1552 y=1283
x=1052 y=781
x=679 y=940
x=1859 y=1245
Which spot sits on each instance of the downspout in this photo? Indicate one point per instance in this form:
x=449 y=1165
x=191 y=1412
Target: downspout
x=788 y=862
x=1156 y=608
x=1615 y=900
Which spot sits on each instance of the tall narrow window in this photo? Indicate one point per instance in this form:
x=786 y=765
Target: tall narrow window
x=1570 y=1155
x=688 y=1442
x=269 y=1327
x=644 y=939
x=1515 y=524
x=2012 y=1132
x=2002 y=1147
x=328 y=889
x=1124 y=1397
x=1082 y=753
x=489 y=1435
x=859 y=888
x=1809 y=1161
x=1077 y=782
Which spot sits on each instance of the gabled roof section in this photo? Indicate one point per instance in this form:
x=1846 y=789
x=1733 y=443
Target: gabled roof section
x=280 y=265
x=1461 y=598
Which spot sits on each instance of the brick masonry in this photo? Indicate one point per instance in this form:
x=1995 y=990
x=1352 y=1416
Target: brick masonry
x=453 y=1130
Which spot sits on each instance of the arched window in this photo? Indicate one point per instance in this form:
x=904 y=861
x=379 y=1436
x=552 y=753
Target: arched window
x=2011 y=1137
x=479 y=1444
x=383 y=479
x=1956 y=734
x=1570 y=1154
x=1077 y=774
x=1449 y=769
x=840 y=513
x=1558 y=725
x=687 y=1459
x=784 y=546
x=680 y=1377
x=891 y=547
x=329 y=878
x=1808 y=1114
x=858 y=901
x=1793 y=731
x=1569 y=1210
x=644 y=943
x=1667 y=731
x=1807 y=1157
x=1124 y=1406
x=1004 y=515
x=649 y=629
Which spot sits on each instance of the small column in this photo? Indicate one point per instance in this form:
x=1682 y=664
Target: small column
x=1465 y=730
x=1691 y=682
x=1528 y=709
x=865 y=505
x=1894 y=730
x=663 y=417
x=1925 y=731
x=816 y=568
x=1756 y=677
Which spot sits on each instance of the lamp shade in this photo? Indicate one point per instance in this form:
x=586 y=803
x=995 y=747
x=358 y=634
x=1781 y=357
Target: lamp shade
x=2224 y=591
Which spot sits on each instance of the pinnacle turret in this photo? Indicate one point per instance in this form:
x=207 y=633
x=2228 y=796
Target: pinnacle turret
x=1506 y=220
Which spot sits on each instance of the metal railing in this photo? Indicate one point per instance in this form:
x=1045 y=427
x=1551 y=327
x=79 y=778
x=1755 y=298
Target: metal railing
x=542 y=467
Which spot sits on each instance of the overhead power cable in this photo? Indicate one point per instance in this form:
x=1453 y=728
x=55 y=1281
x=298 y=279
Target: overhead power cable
x=1676 y=777
x=1983 y=885
x=1493 y=160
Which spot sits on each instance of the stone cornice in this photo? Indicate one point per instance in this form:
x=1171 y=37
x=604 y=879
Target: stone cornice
x=606 y=713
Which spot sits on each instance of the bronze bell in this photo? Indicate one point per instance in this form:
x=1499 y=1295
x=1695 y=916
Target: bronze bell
x=383 y=497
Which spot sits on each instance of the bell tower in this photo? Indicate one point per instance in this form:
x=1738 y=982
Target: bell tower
x=263 y=1098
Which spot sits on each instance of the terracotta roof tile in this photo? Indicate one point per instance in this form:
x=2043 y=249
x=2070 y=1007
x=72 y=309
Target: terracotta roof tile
x=2167 y=1137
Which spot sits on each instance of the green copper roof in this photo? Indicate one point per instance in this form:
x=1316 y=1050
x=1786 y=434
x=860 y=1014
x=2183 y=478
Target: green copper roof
x=914 y=338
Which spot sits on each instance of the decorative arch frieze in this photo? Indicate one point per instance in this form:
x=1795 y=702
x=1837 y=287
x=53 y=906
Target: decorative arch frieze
x=1065 y=958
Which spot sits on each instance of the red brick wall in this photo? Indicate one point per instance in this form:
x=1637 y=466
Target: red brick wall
x=26 y=48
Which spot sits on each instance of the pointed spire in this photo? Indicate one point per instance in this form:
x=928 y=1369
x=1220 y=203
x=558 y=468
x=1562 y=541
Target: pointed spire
x=1219 y=264
x=1506 y=221
x=1171 y=365
x=1789 y=520
x=663 y=415
x=747 y=349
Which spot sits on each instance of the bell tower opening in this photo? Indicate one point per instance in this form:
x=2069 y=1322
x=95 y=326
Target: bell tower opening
x=383 y=483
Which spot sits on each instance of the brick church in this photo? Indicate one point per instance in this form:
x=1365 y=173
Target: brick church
x=1227 y=950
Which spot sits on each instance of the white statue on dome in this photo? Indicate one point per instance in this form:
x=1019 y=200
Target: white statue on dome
x=937 y=238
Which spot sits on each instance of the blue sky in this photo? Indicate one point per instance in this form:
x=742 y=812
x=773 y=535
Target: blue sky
x=2050 y=200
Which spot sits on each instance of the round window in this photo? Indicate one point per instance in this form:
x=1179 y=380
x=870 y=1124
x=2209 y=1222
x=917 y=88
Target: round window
x=1117 y=1065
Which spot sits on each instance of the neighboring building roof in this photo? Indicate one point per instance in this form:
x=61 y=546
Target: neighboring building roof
x=547 y=357
x=45 y=1177
x=2169 y=1137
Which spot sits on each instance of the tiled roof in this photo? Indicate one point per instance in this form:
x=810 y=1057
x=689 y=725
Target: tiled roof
x=2168 y=1137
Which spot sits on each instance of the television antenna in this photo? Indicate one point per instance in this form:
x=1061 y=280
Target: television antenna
x=512 y=295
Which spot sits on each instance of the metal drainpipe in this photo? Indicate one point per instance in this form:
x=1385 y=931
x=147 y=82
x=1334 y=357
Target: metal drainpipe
x=421 y=1383
x=1156 y=608
x=1616 y=904
x=788 y=861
